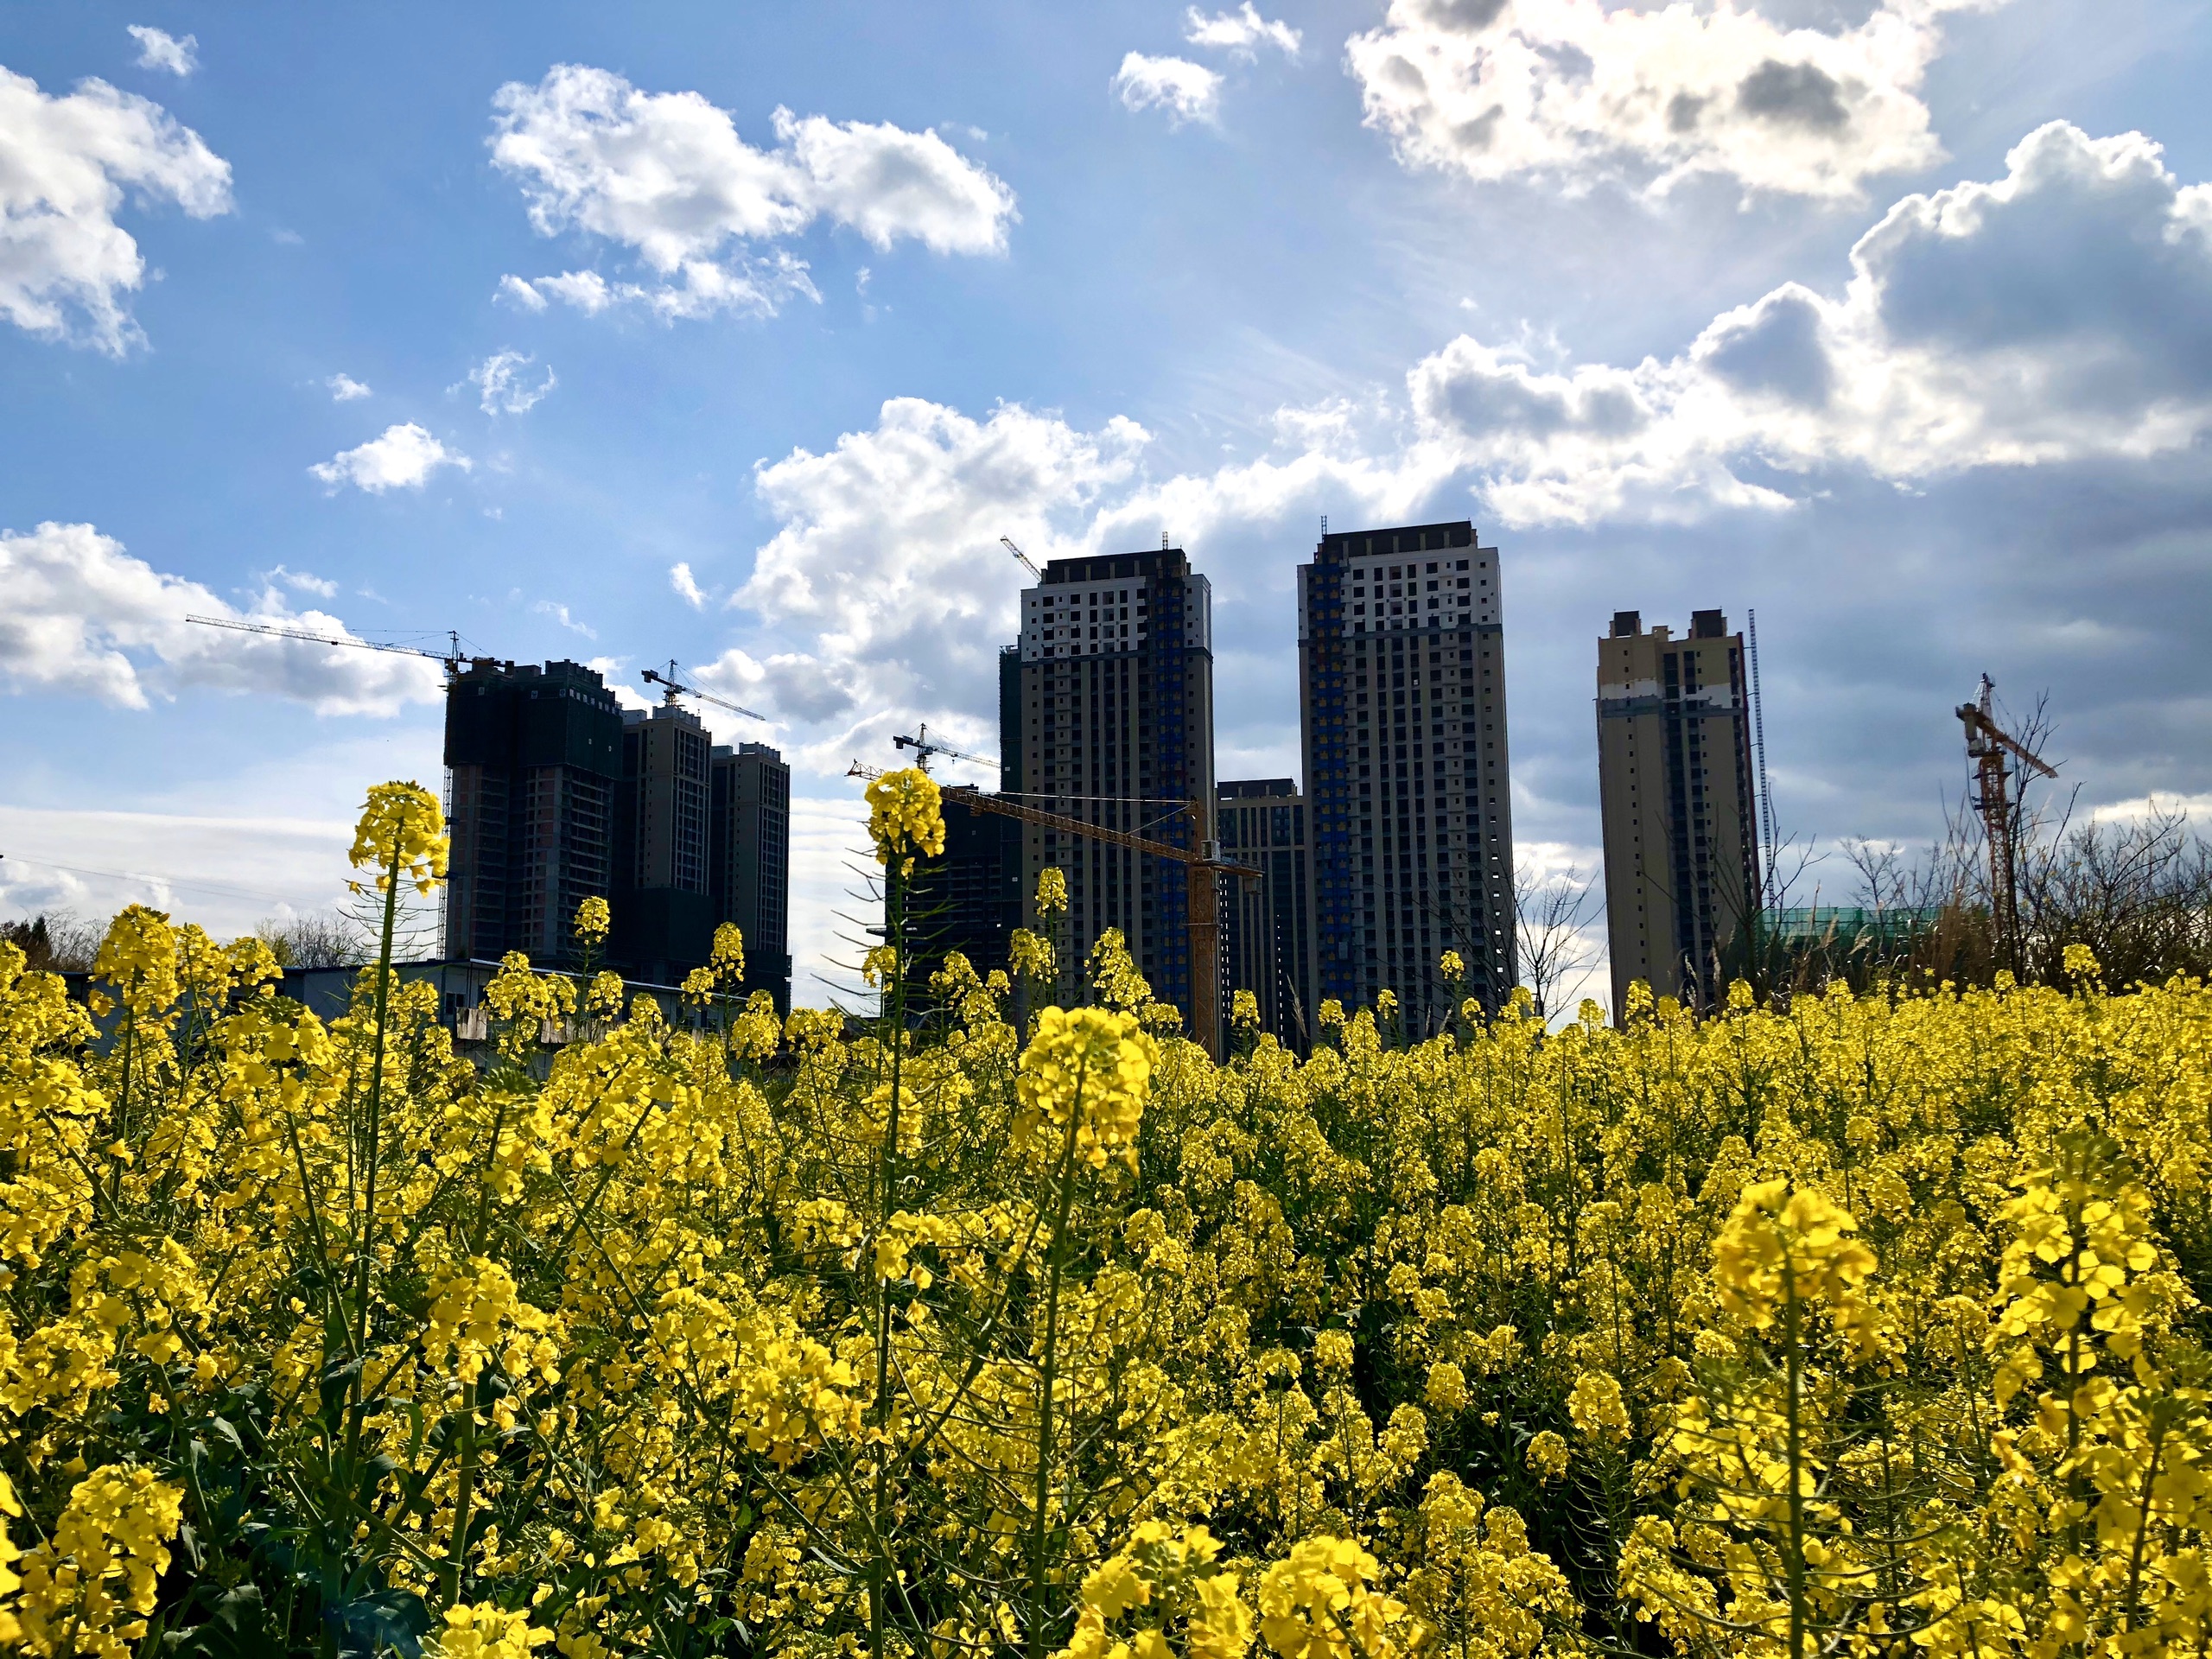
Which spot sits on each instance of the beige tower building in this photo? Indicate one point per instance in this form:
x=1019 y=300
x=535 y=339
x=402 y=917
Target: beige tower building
x=1675 y=787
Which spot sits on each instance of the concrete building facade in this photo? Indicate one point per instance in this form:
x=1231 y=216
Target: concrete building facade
x=664 y=909
x=533 y=759
x=1268 y=936
x=1676 y=786
x=749 y=859
x=1112 y=703
x=1401 y=694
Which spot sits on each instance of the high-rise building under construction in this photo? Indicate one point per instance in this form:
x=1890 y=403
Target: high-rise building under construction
x=1114 y=705
x=1675 y=793
x=533 y=769
x=554 y=795
x=1268 y=924
x=664 y=909
x=749 y=860
x=1401 y=693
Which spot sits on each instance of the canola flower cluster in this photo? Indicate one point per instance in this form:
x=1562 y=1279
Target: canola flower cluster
x=1870 y=1327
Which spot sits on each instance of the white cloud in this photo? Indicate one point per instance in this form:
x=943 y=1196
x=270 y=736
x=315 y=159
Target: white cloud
x=560 y=613
x=687 y=587
x=225 y=872
x=750 y=287
x=666 y=175
x=2055 y=314
x=829 y=844
x=79 y=615
x=1187 y=91
x=521 y=293
x=160 y=50
x=64 y=164
x=735 y=284
x=499 y=385
x=305 y=581
x=1240 y=32
x=1580 y=90
x=344 y=389
x=888 y=569
x=403 y=458
x=888 y=183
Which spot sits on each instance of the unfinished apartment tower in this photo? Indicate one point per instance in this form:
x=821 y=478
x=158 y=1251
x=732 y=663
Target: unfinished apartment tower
x=1675 y=791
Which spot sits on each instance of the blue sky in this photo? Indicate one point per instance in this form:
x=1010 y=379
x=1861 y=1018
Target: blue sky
x=541 y=323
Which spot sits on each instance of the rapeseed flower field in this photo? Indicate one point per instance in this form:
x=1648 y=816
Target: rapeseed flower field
x=1871 y=1326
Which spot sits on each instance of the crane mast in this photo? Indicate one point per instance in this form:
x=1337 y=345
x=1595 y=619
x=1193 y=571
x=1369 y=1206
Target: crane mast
x=1987 y=746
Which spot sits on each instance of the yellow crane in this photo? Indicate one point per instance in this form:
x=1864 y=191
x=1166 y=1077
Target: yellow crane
x=1987 y=744
x=1203 y=869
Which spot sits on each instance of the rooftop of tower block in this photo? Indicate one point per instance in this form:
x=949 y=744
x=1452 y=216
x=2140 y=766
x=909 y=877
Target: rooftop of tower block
x=1403 y=539
x=1108 y=567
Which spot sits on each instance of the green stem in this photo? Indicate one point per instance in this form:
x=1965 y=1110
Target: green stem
x=123 y=1104
x=2142 y=1536
x=1056 y=1255
x=894 y=1007
x=1793 y=1558
x=465 y=1498
x=367 y=1237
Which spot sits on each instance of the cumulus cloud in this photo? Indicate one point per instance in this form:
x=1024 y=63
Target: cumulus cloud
x=402 y=459
x=65 y=164
x=887 y=570
x=1240 y=32
x=158 y=49
x=501 y=387
x=885 y=595
x=666 y=176
x=79 y=615
x=1580 y=90
x=2055 y=314
x=686 y=586
x=1187 y=91
x=344 y=389
x=2052 y=317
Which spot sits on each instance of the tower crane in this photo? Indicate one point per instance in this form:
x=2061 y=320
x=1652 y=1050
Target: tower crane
x=1987 y=745
x=1202 y=868
x=671 y=690
x=450 y=656
x=1027 y=563
x=924 y=746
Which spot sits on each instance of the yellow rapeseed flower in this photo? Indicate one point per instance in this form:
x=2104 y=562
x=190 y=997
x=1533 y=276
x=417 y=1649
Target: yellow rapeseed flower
x=1091 y=1067
x=905 y=818
x=402 y=836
